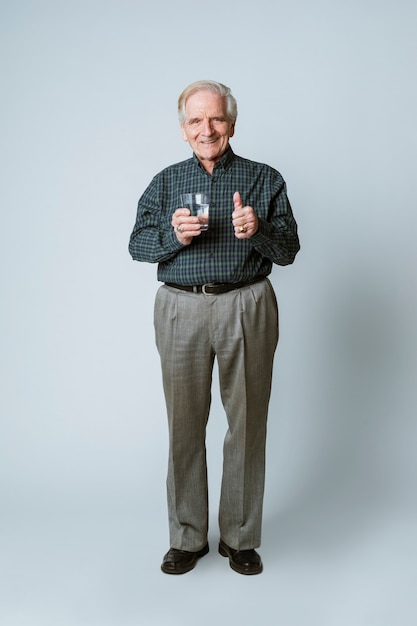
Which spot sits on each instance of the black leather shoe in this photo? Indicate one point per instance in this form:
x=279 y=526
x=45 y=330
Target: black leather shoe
x=180 y=561
x=242 y=561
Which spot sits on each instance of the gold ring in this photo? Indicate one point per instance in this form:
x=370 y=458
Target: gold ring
x=179 y=229
x=243 y=228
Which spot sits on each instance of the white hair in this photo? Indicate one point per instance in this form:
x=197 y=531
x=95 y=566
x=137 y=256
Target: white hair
x=208 y=85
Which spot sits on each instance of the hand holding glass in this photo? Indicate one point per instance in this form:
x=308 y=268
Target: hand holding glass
x=198 y=203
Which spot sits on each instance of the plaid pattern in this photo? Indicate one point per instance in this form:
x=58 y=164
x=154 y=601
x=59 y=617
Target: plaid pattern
x=216 y=255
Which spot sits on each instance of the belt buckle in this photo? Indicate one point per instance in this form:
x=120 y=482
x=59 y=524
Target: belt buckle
x=203 y=289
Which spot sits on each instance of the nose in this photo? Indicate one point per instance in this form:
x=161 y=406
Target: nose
x=207 y=127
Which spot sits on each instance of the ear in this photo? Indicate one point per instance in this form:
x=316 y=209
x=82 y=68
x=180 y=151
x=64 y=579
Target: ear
x=232 y=130
x=184 y=136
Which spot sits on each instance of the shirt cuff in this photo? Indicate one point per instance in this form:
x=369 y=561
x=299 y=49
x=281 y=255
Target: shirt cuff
x=171 y=242
x=263 y=234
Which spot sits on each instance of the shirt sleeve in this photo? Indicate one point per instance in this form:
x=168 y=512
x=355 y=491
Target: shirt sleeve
x=277 y=235
x=153 y=239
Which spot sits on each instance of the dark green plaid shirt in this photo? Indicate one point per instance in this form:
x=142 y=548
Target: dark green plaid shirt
x=216 y=255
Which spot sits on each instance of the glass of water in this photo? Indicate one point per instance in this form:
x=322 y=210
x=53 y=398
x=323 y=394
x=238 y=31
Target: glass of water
x=199 y=204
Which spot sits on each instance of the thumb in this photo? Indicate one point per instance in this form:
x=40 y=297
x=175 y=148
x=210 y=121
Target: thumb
x=237 y=200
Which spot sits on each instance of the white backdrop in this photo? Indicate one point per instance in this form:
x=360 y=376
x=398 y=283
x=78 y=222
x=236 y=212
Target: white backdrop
x=327 y=94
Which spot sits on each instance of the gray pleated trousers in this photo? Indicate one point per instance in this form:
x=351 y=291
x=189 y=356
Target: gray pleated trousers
x=240 y=329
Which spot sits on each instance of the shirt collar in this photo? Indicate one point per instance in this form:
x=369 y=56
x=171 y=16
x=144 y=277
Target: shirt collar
x=224 y=163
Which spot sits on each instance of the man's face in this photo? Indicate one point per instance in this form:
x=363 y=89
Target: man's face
x=207 y=127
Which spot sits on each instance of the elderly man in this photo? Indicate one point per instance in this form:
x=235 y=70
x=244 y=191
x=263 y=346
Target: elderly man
x=216 y=303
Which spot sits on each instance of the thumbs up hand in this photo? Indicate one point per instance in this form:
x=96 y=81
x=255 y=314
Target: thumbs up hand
x=244 y=219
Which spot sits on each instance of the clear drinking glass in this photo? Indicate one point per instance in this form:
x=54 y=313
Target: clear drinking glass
x=199 y=204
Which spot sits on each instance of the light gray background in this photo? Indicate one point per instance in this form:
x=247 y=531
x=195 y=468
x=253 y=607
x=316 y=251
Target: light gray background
x=327 y=94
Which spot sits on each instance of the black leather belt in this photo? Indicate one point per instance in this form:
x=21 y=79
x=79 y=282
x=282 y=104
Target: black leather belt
x=214 y=289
